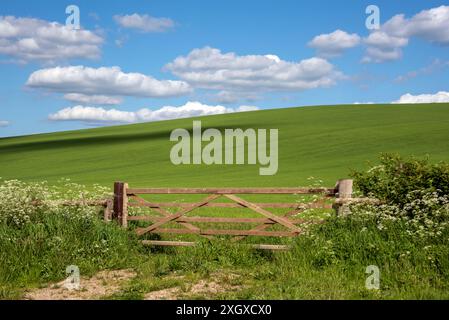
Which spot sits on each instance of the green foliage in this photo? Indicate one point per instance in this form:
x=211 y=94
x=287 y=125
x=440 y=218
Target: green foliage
x=23 y=203
x=398 y=180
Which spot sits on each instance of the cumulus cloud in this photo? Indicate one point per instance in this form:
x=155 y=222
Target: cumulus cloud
x=101 y=115
x=109 y=81
x=144 y=23
x=383 y=47
x=92 y=99
x=431 y=25
x=335 y=43
x=442 y=96
x=386 y=44
x=29 y=39
x=378 y=55
x=209 y=68
x=384 y=40
x=4 y=123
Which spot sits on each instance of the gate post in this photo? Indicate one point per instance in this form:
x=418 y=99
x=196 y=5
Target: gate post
x=120 y=204
x=108 y=209
x=125 y=206
x=344 y=192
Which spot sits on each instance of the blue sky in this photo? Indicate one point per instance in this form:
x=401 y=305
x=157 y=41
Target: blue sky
x=232 y=56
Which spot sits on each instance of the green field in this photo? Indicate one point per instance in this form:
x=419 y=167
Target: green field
x=328 y=263
x=323 y=142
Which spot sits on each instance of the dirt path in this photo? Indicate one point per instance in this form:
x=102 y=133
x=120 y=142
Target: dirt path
x=106 y=283
x=205 y=287
x=102 y=284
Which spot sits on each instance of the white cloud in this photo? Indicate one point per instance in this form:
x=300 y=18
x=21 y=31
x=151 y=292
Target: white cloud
x=92 y=99
x=384 y=40
x=244 y=109
x=101 y=115
x=431 y=25
x=29 y=39
x=333 y=44
x=383 y=47
x=4 y=123
x=438 y=97
x=144 y=23
x=104 y=81
x=209 y=68
x=92 y=114
x=378 y=55
x=385 y=44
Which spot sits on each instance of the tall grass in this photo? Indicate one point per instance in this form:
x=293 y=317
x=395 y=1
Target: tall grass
x=38 y=239
x=408 y=240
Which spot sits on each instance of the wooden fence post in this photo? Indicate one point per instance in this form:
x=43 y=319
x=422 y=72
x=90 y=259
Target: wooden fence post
x=120 y=203
x=125 y=206
x=344 y=193
x=108 y=210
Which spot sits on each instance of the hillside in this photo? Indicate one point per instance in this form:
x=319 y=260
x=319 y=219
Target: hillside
x=323 y=142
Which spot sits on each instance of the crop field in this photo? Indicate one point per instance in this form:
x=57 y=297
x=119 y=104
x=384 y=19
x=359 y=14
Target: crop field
x=320 y=142
x=317 y=146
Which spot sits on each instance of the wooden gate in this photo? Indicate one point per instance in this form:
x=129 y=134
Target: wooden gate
x=125 y=197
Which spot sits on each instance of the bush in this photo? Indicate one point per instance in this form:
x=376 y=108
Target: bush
x=396 y=180
x=416 y=193
x=23 y=203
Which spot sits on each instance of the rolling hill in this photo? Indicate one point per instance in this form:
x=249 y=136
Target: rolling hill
x=323 y=141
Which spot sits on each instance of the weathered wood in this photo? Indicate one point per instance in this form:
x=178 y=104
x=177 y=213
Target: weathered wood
x=191 y=244
x=345 y=188
x=249 y=233
x=118 y=201
x=223 y=191
x=152 y=205
x=283 y=221
x=163 y=212
x=168 y=243
x=108 y=210
x=230 y=232
x=124 y=220
x=213 y=220
x=266 y=225
x=274 y=247
x=177 y=215
x=344 y=193
x=171 y=230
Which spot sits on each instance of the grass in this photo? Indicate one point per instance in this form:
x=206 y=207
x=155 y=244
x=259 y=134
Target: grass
x=39 y=253
x=323 y=142
x=329 y=263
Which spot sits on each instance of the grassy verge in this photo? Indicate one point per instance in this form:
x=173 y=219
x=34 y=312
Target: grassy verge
x=330 y=263
x=406 y=238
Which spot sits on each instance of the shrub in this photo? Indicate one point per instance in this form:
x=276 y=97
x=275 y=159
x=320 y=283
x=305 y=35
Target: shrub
x=396 y=179
x=23 y=203
x=416 y=193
